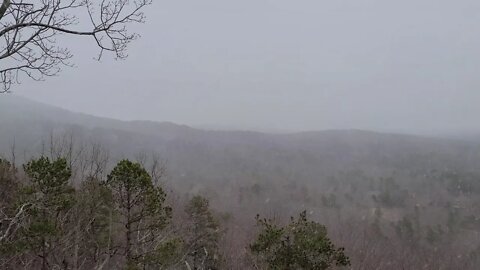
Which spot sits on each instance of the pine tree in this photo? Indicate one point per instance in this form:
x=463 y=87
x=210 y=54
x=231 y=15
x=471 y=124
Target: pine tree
x=94 y=227
x=203 y=235
x=302 y=244
x=50 y=198
x=142 y=214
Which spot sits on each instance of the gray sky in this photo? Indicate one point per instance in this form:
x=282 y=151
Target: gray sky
x=410 y=66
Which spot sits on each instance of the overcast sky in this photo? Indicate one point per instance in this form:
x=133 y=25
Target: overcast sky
x=409 y=65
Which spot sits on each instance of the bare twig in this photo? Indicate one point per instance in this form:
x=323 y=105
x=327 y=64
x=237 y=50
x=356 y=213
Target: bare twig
x=29 y=31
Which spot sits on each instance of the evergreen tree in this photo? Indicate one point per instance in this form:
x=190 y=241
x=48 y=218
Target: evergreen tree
x=302 y=244
x=142 y=214
x=203 y=235
x=94 y=237
x=50 y=199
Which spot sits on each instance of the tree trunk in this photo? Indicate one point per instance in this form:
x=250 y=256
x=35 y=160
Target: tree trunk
x=128 y=251
x=4 y=7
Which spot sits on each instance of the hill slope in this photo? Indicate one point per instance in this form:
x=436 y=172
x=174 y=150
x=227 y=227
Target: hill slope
x=368 y=188
x=217 y=154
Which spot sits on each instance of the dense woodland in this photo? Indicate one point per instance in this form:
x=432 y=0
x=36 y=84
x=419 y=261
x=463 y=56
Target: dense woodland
x=79 y=192
x=123 y=221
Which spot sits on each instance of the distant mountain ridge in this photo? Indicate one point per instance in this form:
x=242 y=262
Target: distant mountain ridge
x=24 y=108
x=226 y=155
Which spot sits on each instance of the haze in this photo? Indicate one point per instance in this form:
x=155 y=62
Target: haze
x=405 y=66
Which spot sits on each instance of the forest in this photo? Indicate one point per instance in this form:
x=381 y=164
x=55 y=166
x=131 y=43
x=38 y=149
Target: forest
x=239 y=135
x=79 y=192
x=125 y=222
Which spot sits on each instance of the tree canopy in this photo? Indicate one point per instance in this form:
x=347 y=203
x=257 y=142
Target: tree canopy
x=302 y=244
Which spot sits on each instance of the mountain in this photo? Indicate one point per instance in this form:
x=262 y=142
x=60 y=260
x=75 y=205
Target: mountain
x=220 y=156
x=360 y=184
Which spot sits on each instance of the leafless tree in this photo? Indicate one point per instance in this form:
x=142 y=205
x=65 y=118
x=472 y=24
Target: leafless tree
x=29 y=32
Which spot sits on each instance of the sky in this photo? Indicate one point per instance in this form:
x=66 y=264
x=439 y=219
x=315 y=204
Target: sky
x=286 y=65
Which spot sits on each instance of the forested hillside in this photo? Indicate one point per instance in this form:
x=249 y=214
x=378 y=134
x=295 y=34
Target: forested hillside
x=391 y=201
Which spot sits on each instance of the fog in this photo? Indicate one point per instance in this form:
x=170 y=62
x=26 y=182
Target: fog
x=404 y=66
x=367 y=157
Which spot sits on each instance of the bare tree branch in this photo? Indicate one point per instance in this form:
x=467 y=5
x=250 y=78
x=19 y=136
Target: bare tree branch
x=29 y=31
x=13 y=223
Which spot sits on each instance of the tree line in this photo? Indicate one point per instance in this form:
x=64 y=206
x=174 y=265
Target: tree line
x=123 y=220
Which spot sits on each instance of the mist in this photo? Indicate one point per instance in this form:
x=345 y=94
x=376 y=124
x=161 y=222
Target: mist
x=254 y=134
x=398 y=66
